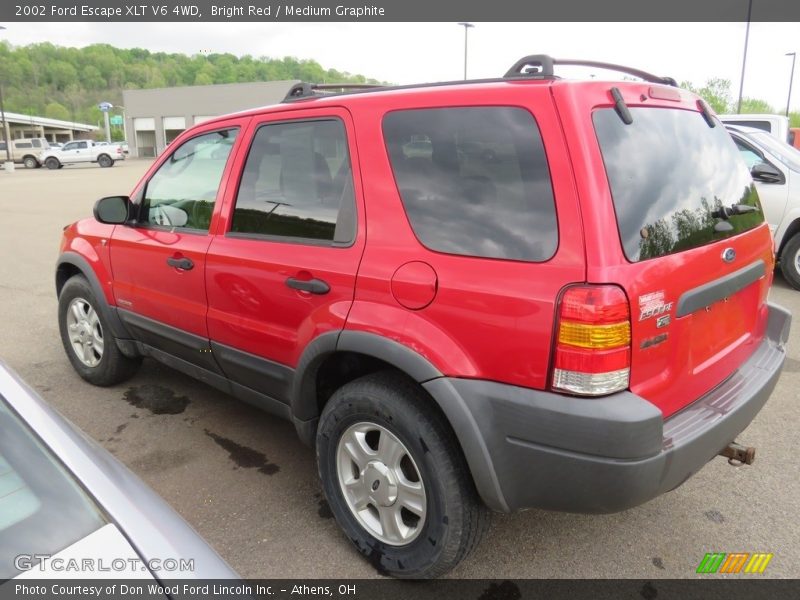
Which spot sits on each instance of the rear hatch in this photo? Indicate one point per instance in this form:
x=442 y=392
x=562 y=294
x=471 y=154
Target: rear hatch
x=676 y=222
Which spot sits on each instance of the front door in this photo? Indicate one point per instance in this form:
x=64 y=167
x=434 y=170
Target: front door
x=284 y=271
x=76 y=152
x=159 y=261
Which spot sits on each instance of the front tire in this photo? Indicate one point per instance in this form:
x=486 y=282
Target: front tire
x=30 y=162
x=52 y=163
x=104 y=160
x=790 y=261
x=395 y=478
x=90 y=346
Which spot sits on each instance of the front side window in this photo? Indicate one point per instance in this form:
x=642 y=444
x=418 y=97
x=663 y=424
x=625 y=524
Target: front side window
x=474 y=181
x=37 y=143
x=70 y=146
x=298 y=184
x=183 y=190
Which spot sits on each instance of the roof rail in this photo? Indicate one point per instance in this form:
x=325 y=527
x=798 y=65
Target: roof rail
x=301 y=91
x=540 y=66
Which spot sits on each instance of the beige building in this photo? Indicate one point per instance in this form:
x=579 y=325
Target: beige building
x=155 y=117
x=18 y=126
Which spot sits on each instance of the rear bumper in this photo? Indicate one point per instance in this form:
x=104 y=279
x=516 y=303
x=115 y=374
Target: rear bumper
x=528 y=448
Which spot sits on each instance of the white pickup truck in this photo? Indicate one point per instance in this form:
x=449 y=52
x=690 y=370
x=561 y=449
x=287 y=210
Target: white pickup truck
x=82 y=151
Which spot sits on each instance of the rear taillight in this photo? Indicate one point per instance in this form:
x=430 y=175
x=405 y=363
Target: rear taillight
x=593 y=341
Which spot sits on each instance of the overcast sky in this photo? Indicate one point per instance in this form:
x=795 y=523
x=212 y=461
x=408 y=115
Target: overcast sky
x=418 y=52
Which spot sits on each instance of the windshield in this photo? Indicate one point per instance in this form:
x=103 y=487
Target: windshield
x=784 y=152
x=42 y=508
x=676 y=182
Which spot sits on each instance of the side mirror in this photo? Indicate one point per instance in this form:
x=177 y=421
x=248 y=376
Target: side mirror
x=112 y=210
x=766 y=173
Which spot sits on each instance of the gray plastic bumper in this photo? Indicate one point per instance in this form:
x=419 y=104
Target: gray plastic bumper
x=534 y=449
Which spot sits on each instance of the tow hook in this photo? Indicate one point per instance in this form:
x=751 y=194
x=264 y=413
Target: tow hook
x=738 y=455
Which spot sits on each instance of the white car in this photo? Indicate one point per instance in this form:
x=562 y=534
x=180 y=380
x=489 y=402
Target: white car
x=82 y=151
x=775 y=125
x=775 y=167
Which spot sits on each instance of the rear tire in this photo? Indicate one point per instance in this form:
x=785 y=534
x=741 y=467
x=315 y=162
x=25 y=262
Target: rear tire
x=410 y=459
x=52 y=163
x=790 y=261
x=90 y=346
x=104 y=160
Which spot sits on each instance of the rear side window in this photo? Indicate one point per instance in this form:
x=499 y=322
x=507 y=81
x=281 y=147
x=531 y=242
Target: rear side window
x=474 y=181
x=20 y=145
x=671 y=175
x=297 y=184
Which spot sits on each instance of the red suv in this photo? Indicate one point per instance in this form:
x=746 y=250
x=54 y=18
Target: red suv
x=512 y=293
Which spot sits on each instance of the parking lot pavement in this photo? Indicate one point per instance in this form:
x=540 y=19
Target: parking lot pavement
x=245 y=482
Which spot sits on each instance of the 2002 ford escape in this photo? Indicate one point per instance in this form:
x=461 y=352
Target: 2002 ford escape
x=524 y=292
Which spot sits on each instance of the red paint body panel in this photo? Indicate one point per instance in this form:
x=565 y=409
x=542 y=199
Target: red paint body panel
x=85 y=238
x=495 y=315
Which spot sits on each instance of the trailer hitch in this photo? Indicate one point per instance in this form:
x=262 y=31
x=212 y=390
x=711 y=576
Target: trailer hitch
x=738 y=455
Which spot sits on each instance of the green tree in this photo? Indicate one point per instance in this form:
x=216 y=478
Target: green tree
x=755 y=106
x=54 y=110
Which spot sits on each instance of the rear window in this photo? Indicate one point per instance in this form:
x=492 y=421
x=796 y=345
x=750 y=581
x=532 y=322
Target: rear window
x=670 y=176
x=474 y=181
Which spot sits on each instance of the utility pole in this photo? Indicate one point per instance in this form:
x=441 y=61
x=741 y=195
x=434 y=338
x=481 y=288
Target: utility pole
x=791 y=81
x=467 y=27
x=744 y=58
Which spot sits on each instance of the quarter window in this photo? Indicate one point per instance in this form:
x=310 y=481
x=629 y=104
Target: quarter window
x=297 y=183
x=474 y=181
x=183 y=190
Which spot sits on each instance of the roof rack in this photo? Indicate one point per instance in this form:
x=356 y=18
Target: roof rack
x=302 y=91
x=540 y=66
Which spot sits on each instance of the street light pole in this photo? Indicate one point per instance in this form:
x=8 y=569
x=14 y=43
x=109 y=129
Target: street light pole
x=467 y=27
x=744 y=58
x=791 y=80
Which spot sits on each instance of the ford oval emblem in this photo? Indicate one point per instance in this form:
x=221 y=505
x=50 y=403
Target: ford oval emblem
x=729 y=255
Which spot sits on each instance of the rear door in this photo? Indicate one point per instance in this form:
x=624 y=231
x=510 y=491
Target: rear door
x=158 y=261
x=672 y=216
x=282 y=271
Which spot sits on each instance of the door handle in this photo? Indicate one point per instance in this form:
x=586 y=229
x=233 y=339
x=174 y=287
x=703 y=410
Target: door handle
x=185 y=264
x=315 y=286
